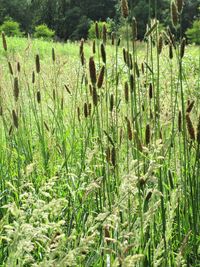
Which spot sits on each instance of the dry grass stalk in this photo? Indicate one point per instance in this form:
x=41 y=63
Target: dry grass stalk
x=134 y=28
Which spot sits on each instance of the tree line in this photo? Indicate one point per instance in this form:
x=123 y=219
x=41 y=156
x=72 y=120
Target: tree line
x=71 y=19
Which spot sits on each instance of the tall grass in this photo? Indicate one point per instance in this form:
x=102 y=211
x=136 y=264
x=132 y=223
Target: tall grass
x=100 y=152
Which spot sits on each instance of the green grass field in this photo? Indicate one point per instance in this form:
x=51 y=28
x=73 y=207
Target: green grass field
x=100 y=161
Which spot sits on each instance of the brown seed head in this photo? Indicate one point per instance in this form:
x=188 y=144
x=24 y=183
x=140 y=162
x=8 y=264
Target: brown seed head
x=85 y=110
x=190 y=106
x=94 y=47
x=53 y=55
x=104 y=33
x=179 y=4
x=97 y=30
x=4 y=41
x=103 y=53
x=10 y=68
x=174 y=14
x=124 y=8
x=148 y=134
x=101 y=77
x=113 y=157
x=150 y=91
x=129 y=130
x=92 y=69
x=126 y=92
x=111 y=102
x=18 y=67
x=170 y=51
x=94 y=96
x=37 y=63
x=16 y=89
x=15 y=119
x=112 y=38
x=33 y=77
x=190 y=127
x=160 y=44
x=182 y=48
x=38 y=97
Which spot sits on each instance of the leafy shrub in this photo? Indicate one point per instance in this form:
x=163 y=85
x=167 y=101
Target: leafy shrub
x=11 y=28
x=109 y=25
x=42 y=31
x=193 y=33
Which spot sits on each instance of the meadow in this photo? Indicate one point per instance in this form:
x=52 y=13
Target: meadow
x=100 y=152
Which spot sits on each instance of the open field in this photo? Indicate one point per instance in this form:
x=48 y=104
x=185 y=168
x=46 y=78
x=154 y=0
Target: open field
x=100 y=159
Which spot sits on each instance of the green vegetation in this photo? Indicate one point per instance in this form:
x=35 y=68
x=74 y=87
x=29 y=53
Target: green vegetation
x=42 y=31
x=10 y=28
x=193 y=33
x=100 y=149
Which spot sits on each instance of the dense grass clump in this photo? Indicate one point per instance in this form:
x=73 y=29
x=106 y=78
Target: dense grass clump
x=100 y=151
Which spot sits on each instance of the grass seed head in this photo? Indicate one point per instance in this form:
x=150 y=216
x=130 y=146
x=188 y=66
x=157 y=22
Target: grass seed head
x=148 y=134
x=94 y=47
x=190 y=127
x=129 y=130
x=10 y=68
x=37 y=63
x=174 y=14
x=104 y=33
x=180 y=4
x=112 y=38
x=113 y=157
x=53 y=55
x=182 y=48
x=92 y=69
x=126 y=92
x=190 y=106
x=97 y=30
x=103 y=53
x=15 y=119
x=111 y=102
x=101 y=77
x=78 y=114
x=94 y=96
x=16 y=89
x=85 y=110
x=170 y=51
x=150 y=91
x=33 y=77
x=38 y=97
x=18 y=67
x=4 y=41
x=124 y=8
